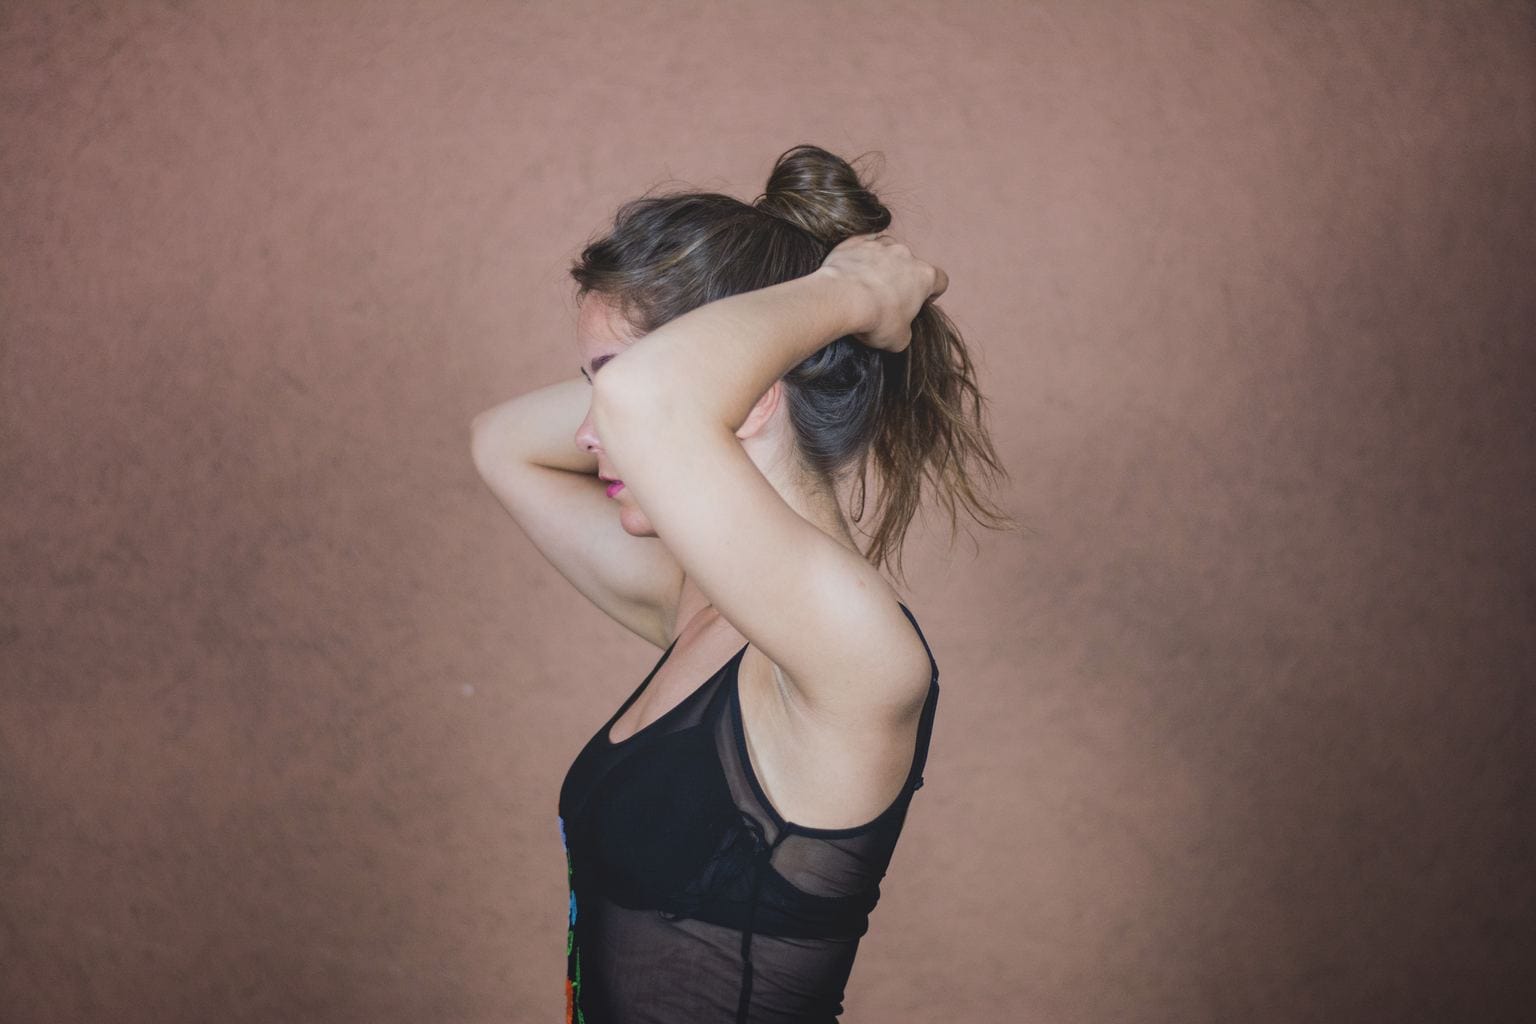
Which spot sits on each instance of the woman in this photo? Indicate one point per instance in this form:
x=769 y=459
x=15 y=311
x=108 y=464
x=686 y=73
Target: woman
x=727 y=827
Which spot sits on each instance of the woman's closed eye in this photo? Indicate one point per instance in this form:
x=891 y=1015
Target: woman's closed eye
x=597 y=364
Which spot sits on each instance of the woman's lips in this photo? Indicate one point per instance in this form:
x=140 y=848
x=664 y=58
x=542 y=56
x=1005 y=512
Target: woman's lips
x=615 y=487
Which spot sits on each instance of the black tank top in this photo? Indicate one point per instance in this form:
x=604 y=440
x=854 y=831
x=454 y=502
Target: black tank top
x=691 y=900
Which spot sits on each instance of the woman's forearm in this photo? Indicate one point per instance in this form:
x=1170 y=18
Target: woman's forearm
x=717 y=360
x=538 y=427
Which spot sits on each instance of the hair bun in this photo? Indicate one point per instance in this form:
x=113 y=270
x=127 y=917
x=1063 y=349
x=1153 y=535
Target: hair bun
x=821 y=193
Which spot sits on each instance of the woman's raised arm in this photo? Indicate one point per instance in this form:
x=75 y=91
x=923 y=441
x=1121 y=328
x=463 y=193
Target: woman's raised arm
x=525 y=450
x=668 y=408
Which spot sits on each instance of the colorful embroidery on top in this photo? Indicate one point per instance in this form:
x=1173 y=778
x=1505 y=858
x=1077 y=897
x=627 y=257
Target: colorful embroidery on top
x=573 y=1014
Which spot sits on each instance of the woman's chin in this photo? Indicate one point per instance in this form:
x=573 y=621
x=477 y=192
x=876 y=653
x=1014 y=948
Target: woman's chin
x=635 y=524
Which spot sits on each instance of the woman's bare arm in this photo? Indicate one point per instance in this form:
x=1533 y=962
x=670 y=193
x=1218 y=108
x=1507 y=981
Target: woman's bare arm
x=667 y=408
x=525 y=450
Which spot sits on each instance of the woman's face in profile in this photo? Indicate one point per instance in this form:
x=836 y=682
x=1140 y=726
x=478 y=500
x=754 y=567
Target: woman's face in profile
x=602 y=334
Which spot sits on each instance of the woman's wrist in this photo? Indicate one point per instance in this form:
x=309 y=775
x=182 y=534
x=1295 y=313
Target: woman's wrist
x=856 y=305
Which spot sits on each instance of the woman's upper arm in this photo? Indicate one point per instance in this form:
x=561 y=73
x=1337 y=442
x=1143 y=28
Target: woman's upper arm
x=819 y=610
x=573 y=523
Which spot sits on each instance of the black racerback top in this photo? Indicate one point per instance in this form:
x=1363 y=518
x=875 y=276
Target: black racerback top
x=691 y=900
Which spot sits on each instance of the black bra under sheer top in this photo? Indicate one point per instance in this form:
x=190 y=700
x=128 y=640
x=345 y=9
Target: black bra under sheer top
x=691 y=898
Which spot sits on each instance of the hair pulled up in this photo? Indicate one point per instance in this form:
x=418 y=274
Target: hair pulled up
x=916 y=414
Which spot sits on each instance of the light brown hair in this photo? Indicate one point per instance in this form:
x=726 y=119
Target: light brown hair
x=916 y=414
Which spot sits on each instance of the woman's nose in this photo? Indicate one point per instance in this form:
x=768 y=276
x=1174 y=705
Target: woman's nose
x=586 y=435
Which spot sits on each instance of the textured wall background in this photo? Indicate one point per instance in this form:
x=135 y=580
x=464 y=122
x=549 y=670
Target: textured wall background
x=1242 y=733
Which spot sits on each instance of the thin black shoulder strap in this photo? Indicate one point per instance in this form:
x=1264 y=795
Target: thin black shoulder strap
x=913 y=619
x=925 y=725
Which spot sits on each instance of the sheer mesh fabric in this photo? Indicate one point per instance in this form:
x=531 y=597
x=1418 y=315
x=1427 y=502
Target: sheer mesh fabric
x=692 y=901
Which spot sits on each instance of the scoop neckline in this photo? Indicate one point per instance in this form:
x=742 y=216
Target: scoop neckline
x=605 y=734
x=607 y=731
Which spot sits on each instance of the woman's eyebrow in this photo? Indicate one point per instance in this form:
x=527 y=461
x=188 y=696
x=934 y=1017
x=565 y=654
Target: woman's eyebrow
x=597 y=364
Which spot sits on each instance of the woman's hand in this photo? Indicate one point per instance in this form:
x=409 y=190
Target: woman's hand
x=893 y=286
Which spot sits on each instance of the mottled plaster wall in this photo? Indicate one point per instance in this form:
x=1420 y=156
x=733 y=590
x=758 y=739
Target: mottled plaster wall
x=1241 y=732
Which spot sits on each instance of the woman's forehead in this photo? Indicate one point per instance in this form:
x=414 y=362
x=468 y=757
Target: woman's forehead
x=600 y=328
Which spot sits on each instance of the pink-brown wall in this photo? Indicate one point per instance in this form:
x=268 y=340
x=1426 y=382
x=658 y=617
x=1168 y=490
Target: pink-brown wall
x=1241 y=731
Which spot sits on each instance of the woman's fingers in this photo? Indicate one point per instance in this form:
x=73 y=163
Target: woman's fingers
x=902 y=280
x=940 y=278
